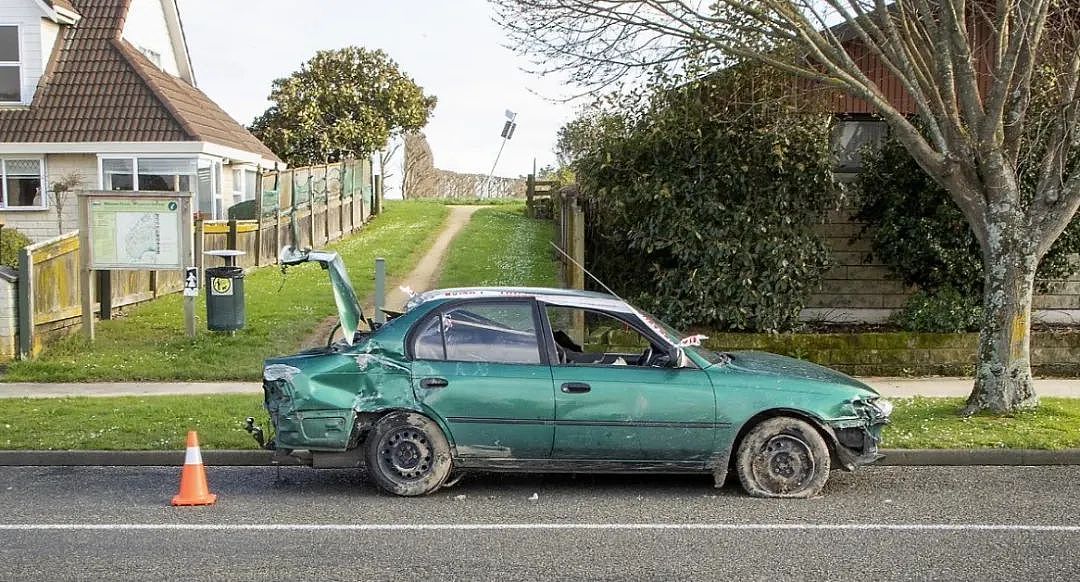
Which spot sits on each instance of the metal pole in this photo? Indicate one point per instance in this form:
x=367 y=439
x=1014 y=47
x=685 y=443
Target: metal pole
x=380 y=289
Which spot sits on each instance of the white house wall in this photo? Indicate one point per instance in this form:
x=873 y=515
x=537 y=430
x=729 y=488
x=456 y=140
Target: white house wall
x=50 y=31
x=147 y=28
x=28 y=16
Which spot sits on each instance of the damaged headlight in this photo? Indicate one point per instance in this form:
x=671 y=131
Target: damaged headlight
x=275 y=372
x=875 y=409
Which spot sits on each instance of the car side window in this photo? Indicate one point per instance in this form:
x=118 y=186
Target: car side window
x=586 y=337
x=428 y=342
x=487 y=332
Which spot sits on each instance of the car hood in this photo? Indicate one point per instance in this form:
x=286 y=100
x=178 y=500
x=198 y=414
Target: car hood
x=348 y=305
x=762 y=363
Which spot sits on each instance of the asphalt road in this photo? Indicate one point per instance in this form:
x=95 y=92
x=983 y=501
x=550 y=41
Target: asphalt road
x=903 y=523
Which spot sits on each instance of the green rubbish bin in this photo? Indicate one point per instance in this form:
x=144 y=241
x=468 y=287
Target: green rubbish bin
x=224 y=298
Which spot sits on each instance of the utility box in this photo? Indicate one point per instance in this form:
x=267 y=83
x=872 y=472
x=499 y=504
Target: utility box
x=225 y=298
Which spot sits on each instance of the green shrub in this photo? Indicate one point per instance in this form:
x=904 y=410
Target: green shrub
x=11 y=242
x=701 y=207
x=945 y=310
x=919 y=233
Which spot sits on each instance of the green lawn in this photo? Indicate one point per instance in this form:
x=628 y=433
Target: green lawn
x=502 y=246
x=932 y=423
x=148 y=341
x=129 y=423
x=161 y=422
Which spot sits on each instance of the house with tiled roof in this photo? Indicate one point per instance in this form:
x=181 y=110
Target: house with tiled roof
x=104 y=90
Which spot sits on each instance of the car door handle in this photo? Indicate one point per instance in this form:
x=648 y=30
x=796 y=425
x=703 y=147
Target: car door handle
x=432 y=383
x=576 y=388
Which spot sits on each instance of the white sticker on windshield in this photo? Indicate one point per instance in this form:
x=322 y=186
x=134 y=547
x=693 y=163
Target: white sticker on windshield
x=694 y=340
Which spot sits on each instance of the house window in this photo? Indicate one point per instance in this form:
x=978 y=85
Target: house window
x=23 y=183
x=244 y=183
x=10 y=65
x=851 y=138
x=149 y=174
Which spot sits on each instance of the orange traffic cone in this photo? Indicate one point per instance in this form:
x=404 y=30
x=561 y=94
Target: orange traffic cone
x=193 y=488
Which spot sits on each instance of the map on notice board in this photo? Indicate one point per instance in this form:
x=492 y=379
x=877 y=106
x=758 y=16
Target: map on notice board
x=135 y=234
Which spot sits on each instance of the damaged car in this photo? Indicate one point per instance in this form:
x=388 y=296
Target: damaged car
x=555 y=380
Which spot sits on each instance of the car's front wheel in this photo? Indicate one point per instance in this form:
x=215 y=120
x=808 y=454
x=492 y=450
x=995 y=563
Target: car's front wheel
x=783 y=457
x=407 y=454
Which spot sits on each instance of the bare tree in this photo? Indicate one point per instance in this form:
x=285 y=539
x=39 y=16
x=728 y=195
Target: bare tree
x=61 y=191
x=972 y=68
x=421 y=177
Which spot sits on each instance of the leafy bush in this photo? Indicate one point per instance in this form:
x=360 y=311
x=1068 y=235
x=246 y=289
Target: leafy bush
x=701 y=206
x=945 y=310
x=919 y=233
x=11 y=242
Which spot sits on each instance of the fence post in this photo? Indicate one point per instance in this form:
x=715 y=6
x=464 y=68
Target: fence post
x=577 y=251
x=311 y=212
x=376 y=196
x=199 y=243
x=577 y=244
x=258 y=217
x=230 y=239
x=380 y=289
x=104 y=283
x=26 y=304
x=530 y=188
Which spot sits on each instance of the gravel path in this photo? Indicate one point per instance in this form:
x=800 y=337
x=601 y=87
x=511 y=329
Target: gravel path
x=422 y=278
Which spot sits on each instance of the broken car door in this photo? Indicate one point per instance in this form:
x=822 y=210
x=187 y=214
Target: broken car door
x=479 y=366
x=618 y=398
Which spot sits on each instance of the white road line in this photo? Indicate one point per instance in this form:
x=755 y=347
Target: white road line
x=539 y=526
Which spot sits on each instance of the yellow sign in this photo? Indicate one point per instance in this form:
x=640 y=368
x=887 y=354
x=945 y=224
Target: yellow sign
x=219 y=286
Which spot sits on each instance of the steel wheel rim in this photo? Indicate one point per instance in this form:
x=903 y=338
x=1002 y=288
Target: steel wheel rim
x=406 y=454
x=785 y=463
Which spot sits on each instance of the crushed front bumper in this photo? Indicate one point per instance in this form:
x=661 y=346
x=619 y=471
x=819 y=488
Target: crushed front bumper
x=857 y=439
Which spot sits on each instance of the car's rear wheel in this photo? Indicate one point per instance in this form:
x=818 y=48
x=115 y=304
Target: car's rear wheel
x=783 y=457
x=407 y=454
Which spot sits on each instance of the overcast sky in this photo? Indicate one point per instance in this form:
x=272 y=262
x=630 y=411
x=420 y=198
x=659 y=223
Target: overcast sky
x=450 y=47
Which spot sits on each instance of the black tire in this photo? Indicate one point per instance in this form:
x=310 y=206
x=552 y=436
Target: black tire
x=407 y=454
x=783 y=457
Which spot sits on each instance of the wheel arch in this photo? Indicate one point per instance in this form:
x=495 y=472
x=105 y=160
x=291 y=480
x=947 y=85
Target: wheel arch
x=365 y=419
x=819 y=425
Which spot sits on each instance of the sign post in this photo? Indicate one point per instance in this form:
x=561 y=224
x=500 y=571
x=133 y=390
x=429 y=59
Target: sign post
x=146 y=231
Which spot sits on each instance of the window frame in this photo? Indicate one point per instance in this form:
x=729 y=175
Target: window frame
x=41 y=177
x=440 y=310
x=634 y=322
x=19 y=65
x=248 y=175
x=840 y=166
x=134 y=159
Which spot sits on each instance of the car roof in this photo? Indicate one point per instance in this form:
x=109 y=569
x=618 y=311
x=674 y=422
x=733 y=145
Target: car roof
x=553 y=296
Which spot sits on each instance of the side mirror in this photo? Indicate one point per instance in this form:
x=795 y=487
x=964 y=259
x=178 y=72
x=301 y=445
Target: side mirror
x=671 y=358
x=676 y=358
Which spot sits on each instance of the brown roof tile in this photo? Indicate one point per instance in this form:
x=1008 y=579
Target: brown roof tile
x=100 y=88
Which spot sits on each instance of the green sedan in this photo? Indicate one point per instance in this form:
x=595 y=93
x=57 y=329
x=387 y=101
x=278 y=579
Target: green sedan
x=554 y=380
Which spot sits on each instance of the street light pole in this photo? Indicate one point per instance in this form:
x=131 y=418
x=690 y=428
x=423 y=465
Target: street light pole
x=507 y=133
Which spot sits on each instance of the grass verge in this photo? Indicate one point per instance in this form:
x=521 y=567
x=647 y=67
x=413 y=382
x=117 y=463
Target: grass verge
x=148 y=341
x=932 y=423
x=161 y=422
x=501 y=246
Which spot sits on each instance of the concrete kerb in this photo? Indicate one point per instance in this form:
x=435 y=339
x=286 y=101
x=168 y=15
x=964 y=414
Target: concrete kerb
x=243 y=458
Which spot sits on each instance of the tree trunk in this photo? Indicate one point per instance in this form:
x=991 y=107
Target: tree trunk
x=1003 y=382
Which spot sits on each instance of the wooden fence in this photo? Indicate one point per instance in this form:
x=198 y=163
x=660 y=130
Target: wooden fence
x=566 y=210
x=327 y=203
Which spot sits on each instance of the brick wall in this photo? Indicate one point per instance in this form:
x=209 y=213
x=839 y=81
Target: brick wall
x=903 y=354
x=856 y=290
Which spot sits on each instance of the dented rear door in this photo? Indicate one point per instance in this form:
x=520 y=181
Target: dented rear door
x=479 y=366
